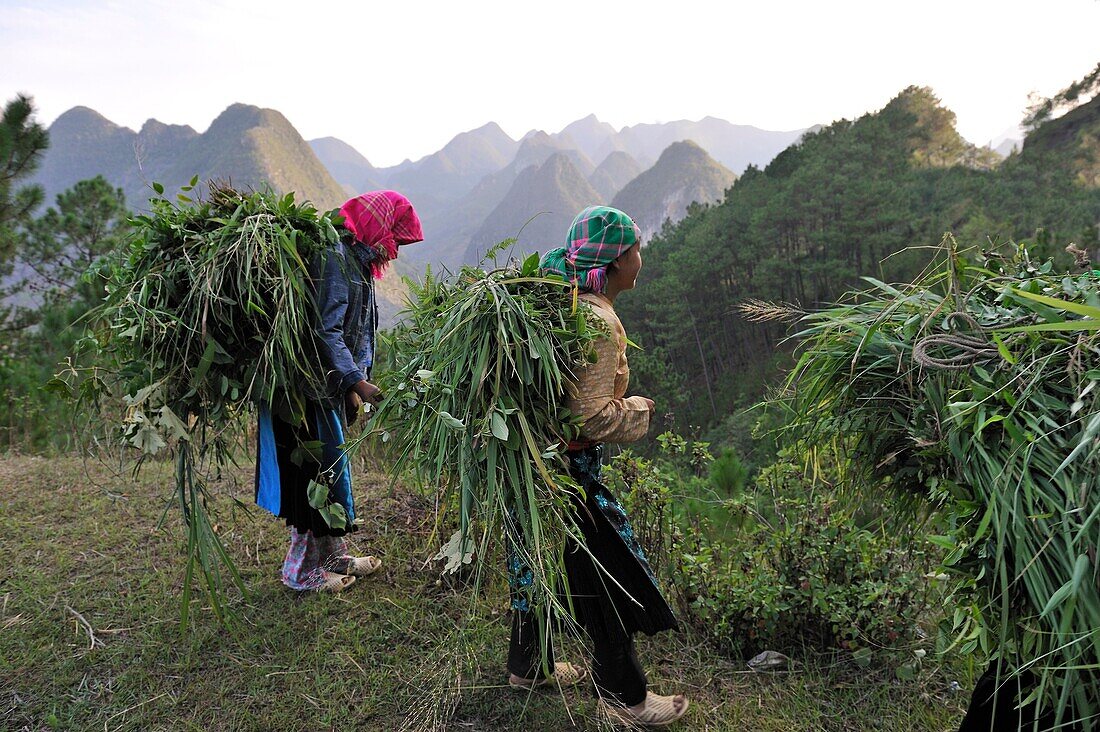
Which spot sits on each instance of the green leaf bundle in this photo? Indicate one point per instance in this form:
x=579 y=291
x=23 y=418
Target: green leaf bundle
x=212 y=305
x=975 y=388
x=209 y=311
x=475 y=405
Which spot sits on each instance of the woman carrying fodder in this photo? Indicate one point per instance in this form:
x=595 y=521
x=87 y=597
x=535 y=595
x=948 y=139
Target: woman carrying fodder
x=611 y=588
x=479 y=407
x=302 y=472
x=975 y=388
x=212 y=311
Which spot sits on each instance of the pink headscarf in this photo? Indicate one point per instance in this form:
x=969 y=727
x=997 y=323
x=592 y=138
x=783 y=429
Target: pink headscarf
x=382 y=220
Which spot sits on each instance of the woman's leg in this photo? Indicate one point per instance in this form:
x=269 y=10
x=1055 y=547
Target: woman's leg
x=333 y=551
x=525 y=647
x=302 y=568
x=616 y=670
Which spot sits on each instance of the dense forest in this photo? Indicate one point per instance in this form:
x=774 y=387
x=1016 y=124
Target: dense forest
x=870 y=197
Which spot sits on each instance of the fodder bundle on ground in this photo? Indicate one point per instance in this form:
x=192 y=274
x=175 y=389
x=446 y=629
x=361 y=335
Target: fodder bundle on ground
x=975 y=388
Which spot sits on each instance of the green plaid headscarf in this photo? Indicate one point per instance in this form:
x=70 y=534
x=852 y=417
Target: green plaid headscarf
x=598 y=236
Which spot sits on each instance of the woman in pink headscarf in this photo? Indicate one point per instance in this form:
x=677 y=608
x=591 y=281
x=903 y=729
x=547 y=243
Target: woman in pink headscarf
x=375 y=225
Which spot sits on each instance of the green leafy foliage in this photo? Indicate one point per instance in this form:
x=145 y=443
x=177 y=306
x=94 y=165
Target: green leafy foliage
x=802 y=573
x=475 y=406
x=974 y=388
x=789 y=563
x=208 y=311
x=22 y=142
x=64 y=254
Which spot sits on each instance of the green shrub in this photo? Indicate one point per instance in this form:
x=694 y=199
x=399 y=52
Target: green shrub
x=784 y=567
x=802 y=574
x=727 y=474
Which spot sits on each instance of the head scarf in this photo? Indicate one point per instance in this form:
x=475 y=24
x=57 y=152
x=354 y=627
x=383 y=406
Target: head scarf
x=597 y=237
x=382 y=220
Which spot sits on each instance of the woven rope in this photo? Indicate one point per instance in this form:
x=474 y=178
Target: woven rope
x=963 y=350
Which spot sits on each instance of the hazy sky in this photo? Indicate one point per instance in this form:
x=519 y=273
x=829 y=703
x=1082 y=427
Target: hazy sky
x=399 y=79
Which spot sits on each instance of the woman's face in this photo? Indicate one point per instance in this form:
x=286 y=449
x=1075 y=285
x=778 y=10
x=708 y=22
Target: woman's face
x=625 y=272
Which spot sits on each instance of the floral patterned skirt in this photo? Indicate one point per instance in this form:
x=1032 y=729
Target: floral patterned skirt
x=623 y=596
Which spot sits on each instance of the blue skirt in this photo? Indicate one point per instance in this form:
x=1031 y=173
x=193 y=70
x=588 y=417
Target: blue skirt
x=289 y=457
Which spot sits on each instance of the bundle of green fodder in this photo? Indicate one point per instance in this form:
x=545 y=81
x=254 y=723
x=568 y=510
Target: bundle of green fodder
x=475 y=406
x=207 y=312
x=975 y=388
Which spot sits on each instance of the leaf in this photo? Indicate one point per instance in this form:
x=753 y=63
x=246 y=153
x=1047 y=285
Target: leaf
x=1065 y=326
x=906 y=672
x=945 y=542
x=457 y=552
x=204 y=362
x=1003 y=350
x=59 y=386
x=451 y=422
x=175 y=426
x=158 y=188
x=334 y=515
x=499 y=426
x=148 y=440
x=530 y=265
x=1065 y=305
x=317 y=494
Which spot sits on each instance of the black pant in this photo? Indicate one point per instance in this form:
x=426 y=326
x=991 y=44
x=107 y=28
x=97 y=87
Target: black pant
x=993 y=704
x=615 y=667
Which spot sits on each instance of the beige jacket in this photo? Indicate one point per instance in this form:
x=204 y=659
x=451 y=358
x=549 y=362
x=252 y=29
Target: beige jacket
x=599 y=394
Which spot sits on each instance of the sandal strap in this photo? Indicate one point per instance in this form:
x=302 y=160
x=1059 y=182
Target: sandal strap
x=335 y=582
x=659 y=711
x=565 y=674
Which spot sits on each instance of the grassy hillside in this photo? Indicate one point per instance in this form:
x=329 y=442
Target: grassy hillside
x=89 y=600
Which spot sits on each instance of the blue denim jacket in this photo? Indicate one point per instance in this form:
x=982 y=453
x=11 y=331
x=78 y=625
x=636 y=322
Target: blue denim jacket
x=348 y=317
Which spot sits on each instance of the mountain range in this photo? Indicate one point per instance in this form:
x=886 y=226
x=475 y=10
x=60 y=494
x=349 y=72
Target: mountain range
x=247 y=145
x=515 y=194
x=480 y=188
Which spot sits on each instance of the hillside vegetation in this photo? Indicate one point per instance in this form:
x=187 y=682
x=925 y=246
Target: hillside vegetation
x=869 y=197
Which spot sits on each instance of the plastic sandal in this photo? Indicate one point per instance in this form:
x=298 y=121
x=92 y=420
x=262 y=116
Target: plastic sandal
x=659 y=711
x=363 y=566
x=565 y=674
x=336 y=582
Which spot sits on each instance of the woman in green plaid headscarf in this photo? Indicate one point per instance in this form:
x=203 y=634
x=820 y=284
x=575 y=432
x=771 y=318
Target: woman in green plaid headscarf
x=613 y=591
x=598 y=236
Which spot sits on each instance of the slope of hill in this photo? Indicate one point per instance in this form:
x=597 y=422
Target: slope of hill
x=538 y=207
x=734 y=146
x=1073 y=138
x=684 y=174
x=446 y=175
x=616 y=170
x=870 y=197
x=84 y=144
x=245 y=144
x=347 y=165
x=594 y=138
x=448 y=229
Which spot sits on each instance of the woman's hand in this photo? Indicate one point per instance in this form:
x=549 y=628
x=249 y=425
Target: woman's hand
x=363 y=392
x=650 y=404
x=368 y=393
